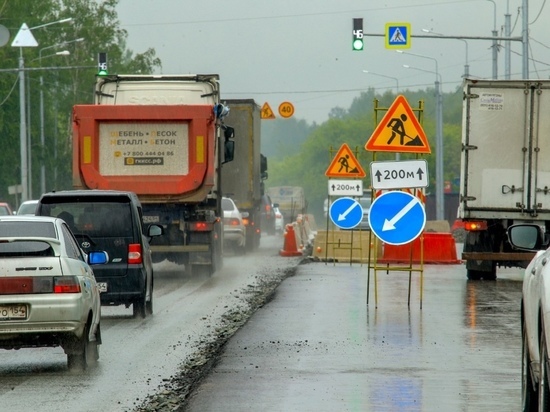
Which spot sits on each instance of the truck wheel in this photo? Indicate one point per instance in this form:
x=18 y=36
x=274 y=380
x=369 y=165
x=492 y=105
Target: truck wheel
x=473 y=274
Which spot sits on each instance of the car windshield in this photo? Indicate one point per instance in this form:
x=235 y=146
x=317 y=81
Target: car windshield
x=95 y=219
x=27 y=229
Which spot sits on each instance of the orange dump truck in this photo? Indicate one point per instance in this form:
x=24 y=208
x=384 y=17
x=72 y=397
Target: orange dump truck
x=163 y=138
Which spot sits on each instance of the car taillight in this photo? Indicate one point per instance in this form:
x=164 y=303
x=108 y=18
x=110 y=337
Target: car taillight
x=234 y=222
x=39 y=284
x=66 y=284
x=200 y=226
x=247 y=221
x=134 y=253
x=473 y=226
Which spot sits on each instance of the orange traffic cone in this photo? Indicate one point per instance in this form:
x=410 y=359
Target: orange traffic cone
x=290 y=248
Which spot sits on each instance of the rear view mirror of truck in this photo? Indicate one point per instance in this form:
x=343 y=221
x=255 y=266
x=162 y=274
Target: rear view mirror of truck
x=229 y=151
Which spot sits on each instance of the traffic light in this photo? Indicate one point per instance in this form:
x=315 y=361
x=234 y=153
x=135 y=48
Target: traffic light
x=102 y=64
x=357 y=44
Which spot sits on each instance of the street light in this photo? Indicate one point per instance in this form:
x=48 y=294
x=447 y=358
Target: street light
x=387 y=77
x=466 y=63
x=439 y=197
x=42 y=136
x=26 y=40
x=495 y=46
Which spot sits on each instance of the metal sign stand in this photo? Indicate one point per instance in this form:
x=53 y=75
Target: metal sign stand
x=405 y=267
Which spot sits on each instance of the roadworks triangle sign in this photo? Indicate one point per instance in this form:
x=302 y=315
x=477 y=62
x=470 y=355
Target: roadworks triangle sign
x=399 y=131
x=266 y=112
x=345 y=164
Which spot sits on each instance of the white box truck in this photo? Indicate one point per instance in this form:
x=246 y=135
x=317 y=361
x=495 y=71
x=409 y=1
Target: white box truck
x=505 y=169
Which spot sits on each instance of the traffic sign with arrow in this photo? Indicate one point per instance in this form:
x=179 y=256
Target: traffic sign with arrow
x=346 y=212
x=397 y=217
x=399 y=174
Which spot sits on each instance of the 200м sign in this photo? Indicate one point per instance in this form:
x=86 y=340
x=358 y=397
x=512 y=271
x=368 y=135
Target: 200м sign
x=399 y=174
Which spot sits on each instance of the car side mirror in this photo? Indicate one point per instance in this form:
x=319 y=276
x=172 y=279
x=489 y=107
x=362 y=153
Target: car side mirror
x=526 y=237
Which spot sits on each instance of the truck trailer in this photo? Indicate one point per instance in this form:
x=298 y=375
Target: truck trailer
x=243 y=178
x=163 y=138
x=505 y=175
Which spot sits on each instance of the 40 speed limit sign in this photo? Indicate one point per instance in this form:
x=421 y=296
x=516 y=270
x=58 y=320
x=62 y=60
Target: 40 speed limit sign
x=399 y=174
x=338 y=187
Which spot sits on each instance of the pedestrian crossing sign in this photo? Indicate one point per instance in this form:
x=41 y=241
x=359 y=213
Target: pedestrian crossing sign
x=398 y=35
x=266 y=112
x=399 y=131
x=345 y=164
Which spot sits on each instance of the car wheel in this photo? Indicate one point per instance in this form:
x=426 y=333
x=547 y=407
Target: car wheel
x=79 y=354
x=528 y=392
x=139 y=307
x=149 y=303
x=543 y=390
x=93 y=349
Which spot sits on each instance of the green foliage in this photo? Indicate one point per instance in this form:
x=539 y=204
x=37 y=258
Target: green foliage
x=305 y=164
x=67 y=80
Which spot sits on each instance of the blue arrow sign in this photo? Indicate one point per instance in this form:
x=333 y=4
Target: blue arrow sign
x=346 y=212
x=397 y=217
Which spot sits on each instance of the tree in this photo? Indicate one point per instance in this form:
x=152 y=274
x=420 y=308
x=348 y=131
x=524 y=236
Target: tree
x=68 y=81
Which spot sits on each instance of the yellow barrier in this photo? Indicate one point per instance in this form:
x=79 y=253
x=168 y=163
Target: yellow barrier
x=346 y=246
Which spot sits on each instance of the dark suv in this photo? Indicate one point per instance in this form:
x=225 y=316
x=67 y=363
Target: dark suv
x=110 y=221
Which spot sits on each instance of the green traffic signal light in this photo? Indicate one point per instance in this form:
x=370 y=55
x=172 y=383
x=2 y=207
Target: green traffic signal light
x=357 y=44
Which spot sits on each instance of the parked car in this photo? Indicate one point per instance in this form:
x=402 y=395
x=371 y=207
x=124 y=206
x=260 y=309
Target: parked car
x=234 y=229
x=267 y=216
x=28 y=207
x=5 y=209
x=48 y=292
x=535 y=323
x=112 y=221
x=279 y=220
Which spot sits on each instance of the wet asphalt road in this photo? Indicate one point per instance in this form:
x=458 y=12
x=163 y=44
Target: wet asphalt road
x=318 y=346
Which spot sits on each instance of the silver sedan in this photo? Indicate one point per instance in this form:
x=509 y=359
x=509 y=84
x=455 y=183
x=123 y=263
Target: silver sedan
x=48 y=293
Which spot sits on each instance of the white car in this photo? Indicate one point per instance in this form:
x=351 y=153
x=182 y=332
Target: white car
x=234 y=229
x=48 y=293
x=28 y=207
x=535 y=317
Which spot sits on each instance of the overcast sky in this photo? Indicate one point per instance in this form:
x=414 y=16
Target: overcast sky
x=300 y=50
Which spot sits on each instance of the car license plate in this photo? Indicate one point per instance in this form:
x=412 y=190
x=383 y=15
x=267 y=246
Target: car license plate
x=102 y=286
x=8 y=312
x=151 y=219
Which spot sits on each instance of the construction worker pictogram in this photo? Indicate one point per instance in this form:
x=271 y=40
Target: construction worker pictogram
x=399 y=131
x=345 y=164
x=266 y=112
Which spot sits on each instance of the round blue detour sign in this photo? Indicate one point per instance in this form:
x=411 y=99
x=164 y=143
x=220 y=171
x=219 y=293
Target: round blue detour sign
x=397 y=217
x=346 y=212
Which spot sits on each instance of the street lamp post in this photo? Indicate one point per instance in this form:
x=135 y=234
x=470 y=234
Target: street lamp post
x=466 y=62
x=495 y=46
x=387 y=77
x=27 y=40
x=42 y=135
x=439 y=184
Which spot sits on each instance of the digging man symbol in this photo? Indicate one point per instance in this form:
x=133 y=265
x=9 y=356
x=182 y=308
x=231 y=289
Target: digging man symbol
x=397 y=125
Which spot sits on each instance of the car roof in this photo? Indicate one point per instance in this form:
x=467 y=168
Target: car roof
x=29 y=218
x=90 y=193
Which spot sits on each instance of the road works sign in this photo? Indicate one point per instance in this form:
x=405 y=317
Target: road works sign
x=266 y=112
x=399 y=131
x=399 y=174
x=397 y=218
x=345 y=164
